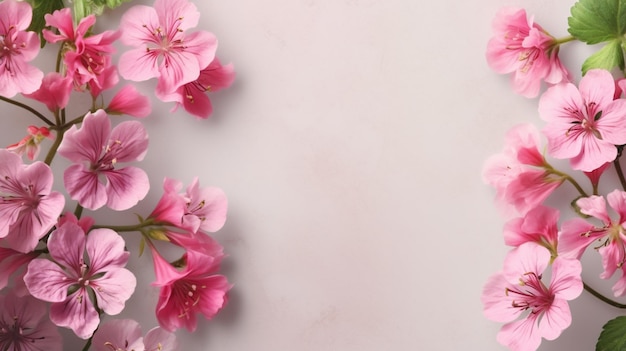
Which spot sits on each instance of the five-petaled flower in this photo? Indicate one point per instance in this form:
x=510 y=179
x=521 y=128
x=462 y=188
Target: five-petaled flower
x=125 y=335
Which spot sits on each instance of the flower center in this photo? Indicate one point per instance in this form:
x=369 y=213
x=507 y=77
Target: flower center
x=531 y=294
x=15 y=335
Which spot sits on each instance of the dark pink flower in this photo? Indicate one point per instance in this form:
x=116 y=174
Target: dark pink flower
x=17 y=48
x=163 y=48
x=97 y=152
x=28 y=207
x=128 y=101
x=518 y=297
x=196 y=288
x=25 y=326
x=84 y=265
x=538 y=226
x=523 y=48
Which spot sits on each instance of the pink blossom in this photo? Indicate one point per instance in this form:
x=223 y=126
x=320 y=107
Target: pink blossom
x=196 y=288
x=577 y=234
x=89 y=55
x=25 y=326
x=10 y=262
x=128 y=101
x=18 y=48
x=163 y=48
x=193 y=96
x=54 y=91
x=584 y=124
x=520 y=174
x=30 y=144
x=525 y=49
x=28 y=207
x=125 y=335
x=84 y=265
x=97 y=151
x=518 y=297
x=538 y=226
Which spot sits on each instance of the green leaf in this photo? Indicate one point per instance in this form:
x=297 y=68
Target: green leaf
x=84 y=8
x=611 y=55
x=40 y=9
x=613 y=336
x=596 y=21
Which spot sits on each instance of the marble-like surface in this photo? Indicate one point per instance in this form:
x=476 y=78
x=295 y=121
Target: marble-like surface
x=350 y=147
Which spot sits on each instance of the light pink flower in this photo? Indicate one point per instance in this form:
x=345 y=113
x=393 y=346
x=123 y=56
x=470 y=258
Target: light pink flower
x=125 y=335
x=577 y=234
x=18 y=48
x=83 y=265
x=97 y=151
x=88 y=56
x=520 y=174
x=584 y=124
x=193 y=96
x=538 y=226
x=518 y=297
x=194 y=289
x=128 y=101
x=25 y=326
x=163 y=48
x=54 y=91
x=30 y=144
x=523 y=48
x=28 y=207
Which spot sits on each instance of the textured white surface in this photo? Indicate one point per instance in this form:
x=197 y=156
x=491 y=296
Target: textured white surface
x=350 y=148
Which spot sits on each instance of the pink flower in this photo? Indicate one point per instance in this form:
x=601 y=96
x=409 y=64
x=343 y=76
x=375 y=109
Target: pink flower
x=193 y=96
x=128 y=101
x=538 y=226
x=521 y=176
x=584 y=124
x=18 y=48
x=531 y=310
x=194 y=289
x=84 y=266
x=10 y=262
x=89 y=55
x=54 y=91
x=25 y=326
x=125 y=335
x=523 y=48
x=28 y=207
x=30 y=143
x=96 y=151
x=163 y=48
x=578 y=234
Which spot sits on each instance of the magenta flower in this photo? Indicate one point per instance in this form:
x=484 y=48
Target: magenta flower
x=18 y=48
x=30 y=144
x=194 y=289
x=520 y=174
x=577 y=234
x=584 y=124
x=96 y=151
x=531 y=310
x=163 y=48
x=28 y=207
x=25 y=326
x=125 y=335
x=525 y=49
x=538 y=226
x=83 y=266
x=193 y=96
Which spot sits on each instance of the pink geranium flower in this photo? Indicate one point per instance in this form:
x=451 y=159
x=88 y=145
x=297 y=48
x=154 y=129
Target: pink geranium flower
x=25 y=326
x=194 y=289
x=163 y=48
x=538 y=226
x=531 y=310
x=125 y=335
x=97 y=151
x=54 y=91
x=18 y=48
x=193 y=96
x=584 y=124
x=28 y=207
x=30 y=144
x=520 y=174
x=10 y=262
x=525 y=49
x=84 y=265
x=577 y=234
x=128 y=101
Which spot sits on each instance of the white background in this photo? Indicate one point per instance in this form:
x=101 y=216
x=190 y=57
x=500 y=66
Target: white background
x=351 y=147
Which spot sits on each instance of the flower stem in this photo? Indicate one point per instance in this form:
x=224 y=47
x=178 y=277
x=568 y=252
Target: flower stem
x=569 y=179
x=28 y=108
x=564 y=40
x=55 y=146
x=620 y=173
x=87 y=345
x=602 y=297
x=127 y=228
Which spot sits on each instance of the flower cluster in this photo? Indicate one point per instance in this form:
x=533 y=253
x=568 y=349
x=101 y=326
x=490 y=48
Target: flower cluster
x=59 y=268
x=583 y=123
